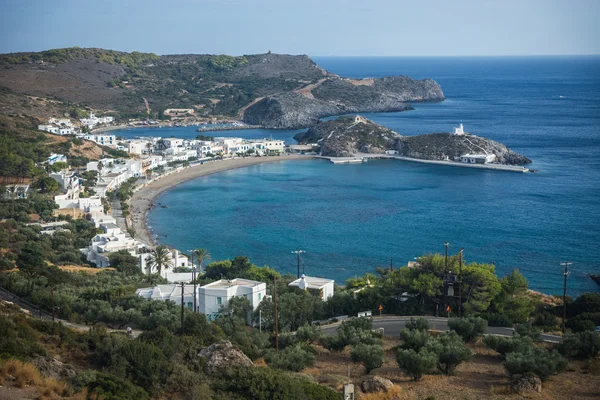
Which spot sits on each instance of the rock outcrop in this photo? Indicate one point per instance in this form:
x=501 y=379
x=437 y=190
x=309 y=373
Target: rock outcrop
x=223 y=355
x=336 y=96
x=51 y=367
x=525 y=383
x=348 y=136
x=345 y=136
x=375 y=384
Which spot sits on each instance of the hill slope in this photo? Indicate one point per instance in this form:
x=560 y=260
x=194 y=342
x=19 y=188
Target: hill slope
x=214 y=85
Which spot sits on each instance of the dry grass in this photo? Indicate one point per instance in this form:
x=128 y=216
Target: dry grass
x=88 y=270
x=20 y=375
x=23 y=374
x=392 y=394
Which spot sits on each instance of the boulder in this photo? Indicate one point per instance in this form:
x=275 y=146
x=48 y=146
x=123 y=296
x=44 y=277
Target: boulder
x=376 y=384
x=525 y=383
x=52 y=368
x=223 y=354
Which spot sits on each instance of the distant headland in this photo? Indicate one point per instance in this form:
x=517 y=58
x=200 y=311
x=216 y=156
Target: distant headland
x=276 y=91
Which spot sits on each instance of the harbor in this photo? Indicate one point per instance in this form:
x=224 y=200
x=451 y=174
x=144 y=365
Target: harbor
x=363 y=157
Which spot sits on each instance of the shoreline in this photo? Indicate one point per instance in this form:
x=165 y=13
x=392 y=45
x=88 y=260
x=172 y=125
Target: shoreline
x=143 y=198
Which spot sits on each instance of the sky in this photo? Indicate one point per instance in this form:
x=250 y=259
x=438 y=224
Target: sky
x=313 y=27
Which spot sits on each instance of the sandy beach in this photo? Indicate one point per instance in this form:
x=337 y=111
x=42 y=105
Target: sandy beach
x=142 y=200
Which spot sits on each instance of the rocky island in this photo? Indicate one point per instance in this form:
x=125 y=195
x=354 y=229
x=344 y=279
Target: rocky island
x=349 y=136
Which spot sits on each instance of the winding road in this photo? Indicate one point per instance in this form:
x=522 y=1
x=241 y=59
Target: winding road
x=392 y=325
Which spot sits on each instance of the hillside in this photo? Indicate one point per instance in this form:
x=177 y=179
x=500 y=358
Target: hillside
x=347 y=136
x=214 y=85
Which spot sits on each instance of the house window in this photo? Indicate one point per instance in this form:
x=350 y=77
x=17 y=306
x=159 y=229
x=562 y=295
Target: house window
x=259 y=296
x=190 y=304
x=219 y=300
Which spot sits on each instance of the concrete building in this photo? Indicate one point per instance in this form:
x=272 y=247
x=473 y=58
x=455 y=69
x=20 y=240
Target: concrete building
x=18 y=191
x=110 y=241
x=102 y=140
x=478 y=158
x=459 y=130
x=51 y=227
x=54 y=158
x=210 y=298
x=138 y=146
x=213 y=296
x=321 y=286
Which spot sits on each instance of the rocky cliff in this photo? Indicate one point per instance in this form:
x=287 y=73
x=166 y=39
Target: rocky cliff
x=334 y=96
x=348 y=136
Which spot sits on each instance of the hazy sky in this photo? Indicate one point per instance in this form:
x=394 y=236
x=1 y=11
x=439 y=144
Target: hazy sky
x=314 y=27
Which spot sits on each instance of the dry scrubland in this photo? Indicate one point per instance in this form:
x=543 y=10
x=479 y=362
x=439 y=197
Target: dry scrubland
x=483 y=377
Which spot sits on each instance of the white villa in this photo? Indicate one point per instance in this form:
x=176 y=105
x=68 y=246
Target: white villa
x=54 y=158
x=324 y=287
x=110 y=241
x=93 y=120
x=18 y=191
x=210 y=298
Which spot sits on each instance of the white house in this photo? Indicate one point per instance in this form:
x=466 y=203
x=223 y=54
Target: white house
x=324 y=287
x=49 y=128
x=54 y=158
x=110 y=241
x=93 y=120
x=137 y=146
x=51 y=227
x=103 y=140
x=18 y=191
x=210 y=298
x=175 y=258
x=478 y=158
x=214 y=295
x=169 y=292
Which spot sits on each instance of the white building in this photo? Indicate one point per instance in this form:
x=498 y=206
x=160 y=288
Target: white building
x=323 y=287
x=51 y=227
x=68 y=183
x=93 y=120
x=478 y=158
x=66 y=122
x=18 y=191
x=210 y=298
x=138 y=146
x=459 y=130
x=103 y=140
x=110 y=241
x=49 y=128
x=213 y=296
x=54 y=158
x=176 y=259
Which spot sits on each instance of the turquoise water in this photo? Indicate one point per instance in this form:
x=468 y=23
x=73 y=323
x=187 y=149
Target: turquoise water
x=351 y=218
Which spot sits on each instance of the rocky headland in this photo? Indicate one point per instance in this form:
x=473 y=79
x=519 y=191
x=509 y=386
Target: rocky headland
x=350 y=135
x=335 y=96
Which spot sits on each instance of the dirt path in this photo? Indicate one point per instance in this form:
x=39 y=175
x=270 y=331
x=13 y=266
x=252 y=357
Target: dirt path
x=147 y=106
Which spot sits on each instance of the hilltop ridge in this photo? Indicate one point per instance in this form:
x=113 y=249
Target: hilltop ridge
x=274 y=90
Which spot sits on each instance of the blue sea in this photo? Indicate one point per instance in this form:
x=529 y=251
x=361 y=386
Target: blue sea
x=351 y=218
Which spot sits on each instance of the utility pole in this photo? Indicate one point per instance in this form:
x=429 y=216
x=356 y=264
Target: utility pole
x=298 y=252
x=276 y=318
x=53 y=312
x=260 y=321
x=194 y=280
x=182 y=306
x=566 y=274
x=460 y=255
x=391 y=264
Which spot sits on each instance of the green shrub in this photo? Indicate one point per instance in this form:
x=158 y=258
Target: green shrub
x=584 y=322
x=293 y=358
x=419 y=324
x=110 y=387
x=527 y=330
x=536 y=360
x=416 y=364
x=450 y=351
x=545 y=320
x=413 y=339
x=468 y=328
x=581 y=345
x=308 y=333
x=371 y=356
x=505 y=345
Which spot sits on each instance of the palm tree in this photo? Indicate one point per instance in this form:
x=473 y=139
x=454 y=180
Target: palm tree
x=160 y=258
x=201 y=255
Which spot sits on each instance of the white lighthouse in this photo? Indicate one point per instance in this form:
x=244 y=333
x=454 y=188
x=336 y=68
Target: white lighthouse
x=459 y=130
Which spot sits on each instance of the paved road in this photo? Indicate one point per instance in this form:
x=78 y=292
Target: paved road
x=392 y=325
